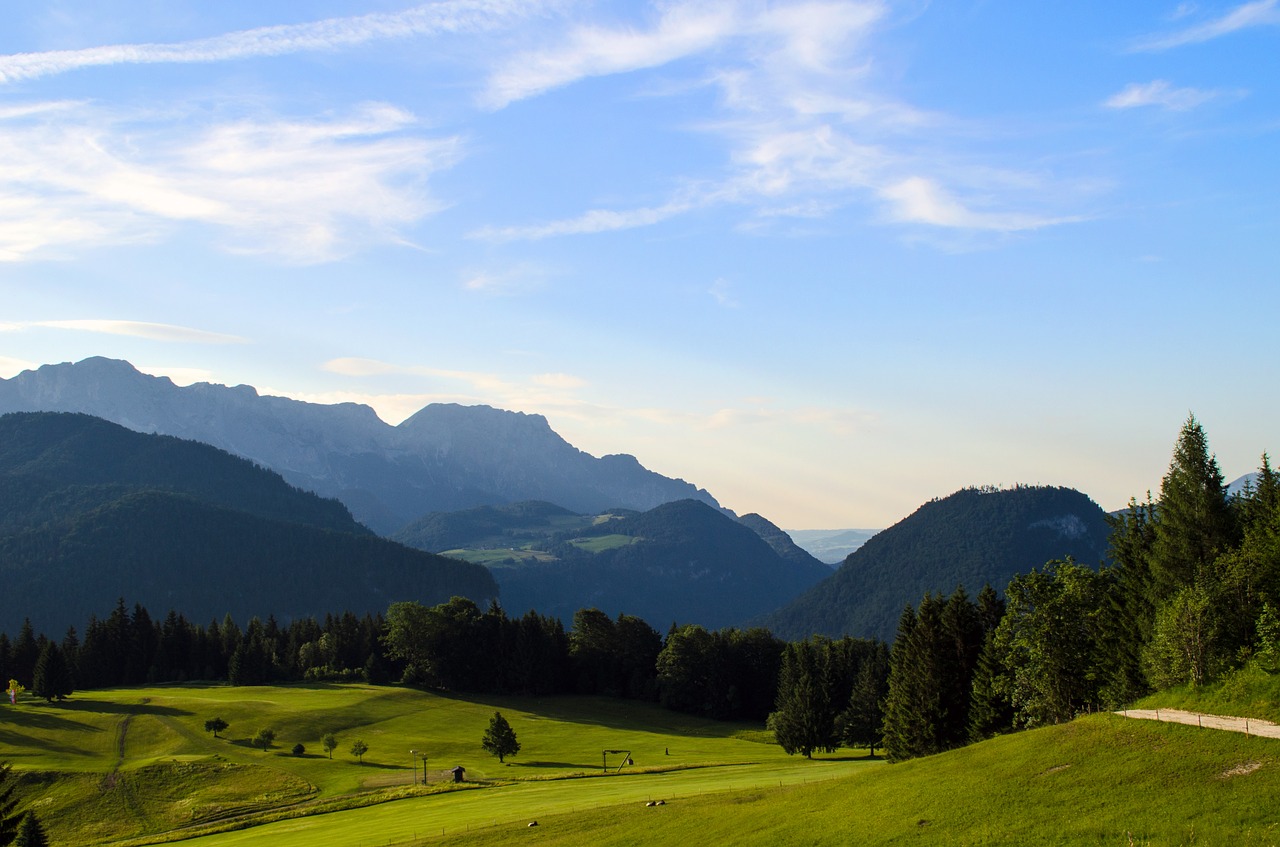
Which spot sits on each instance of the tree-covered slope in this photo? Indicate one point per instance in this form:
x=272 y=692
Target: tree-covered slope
x=92 y=512
x=505 y=526
x=971 y=538
x=683 y=561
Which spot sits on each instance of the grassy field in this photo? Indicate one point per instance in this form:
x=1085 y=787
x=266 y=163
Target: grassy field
x=136 y=764
x=1101 y=780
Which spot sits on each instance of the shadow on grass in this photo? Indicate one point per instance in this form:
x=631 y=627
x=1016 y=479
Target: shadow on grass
x=45 y=717
x=107 y=707
x=578 y=766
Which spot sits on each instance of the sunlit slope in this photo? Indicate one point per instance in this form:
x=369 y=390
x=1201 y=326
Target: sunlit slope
x=137 y=763
x=1099 y=780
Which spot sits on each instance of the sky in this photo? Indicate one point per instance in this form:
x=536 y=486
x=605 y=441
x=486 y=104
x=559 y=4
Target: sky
x=827 y=259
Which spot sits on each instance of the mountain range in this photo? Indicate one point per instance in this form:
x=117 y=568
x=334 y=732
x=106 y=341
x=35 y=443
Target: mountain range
x=445 y=457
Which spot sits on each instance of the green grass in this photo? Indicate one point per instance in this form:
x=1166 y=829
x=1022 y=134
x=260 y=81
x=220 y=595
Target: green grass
x=1101 y=780
x=600 y=543
x=1251 y=692
x=136 y=763
x=133 y=766
x=499 y=557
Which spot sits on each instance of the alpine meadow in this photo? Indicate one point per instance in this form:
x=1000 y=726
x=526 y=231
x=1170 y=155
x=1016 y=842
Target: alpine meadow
x=639 y=422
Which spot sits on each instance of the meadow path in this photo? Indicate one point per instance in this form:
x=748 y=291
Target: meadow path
x=1249 y=726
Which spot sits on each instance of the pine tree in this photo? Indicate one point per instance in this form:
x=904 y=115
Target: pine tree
x=804 y=719
x=862 y=722
x=52 y=676
x=500 y=739
x=31 y=833
x=8 y=820
x=1194 y=523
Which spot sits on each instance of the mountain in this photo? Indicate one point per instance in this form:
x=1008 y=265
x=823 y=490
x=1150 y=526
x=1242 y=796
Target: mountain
x=831 y=546
x=971 y=538
x=781 y=543
x=683 y=561
x=91 y=511
x=444 y=458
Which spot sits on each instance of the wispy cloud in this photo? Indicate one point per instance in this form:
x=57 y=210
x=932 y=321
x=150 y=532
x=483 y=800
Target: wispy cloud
x=722 y=292
x=593 y=221
x=1245 y=16
x=1160 y=93
x=142 y=329
x=919 y=200
x=449 y=16
x=10 y=367
x=307 y=191
x=804 y=129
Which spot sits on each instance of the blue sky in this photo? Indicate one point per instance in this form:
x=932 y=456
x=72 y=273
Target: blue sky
x=827 y=259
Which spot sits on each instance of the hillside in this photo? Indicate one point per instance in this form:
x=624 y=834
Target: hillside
x=683 y=561
x=444 y=458
x=971 y=538
x=491 y=527
x=93 y=512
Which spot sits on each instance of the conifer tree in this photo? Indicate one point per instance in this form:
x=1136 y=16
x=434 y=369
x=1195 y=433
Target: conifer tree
x=862 y=722
x=8 y=820
x=1194 y=522
x=52 y=676
x=803 y=720
x=31 y=832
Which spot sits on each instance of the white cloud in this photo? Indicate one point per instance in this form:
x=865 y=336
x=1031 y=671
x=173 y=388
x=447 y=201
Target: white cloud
x=142 y=329
x=593 y=221
x=448 y=16
x=590 y=51
x=1245 y=16
x=919 y=200
x=1159 y=93
x=306 y=191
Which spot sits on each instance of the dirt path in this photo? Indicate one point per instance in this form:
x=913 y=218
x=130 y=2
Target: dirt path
x=1249 y=726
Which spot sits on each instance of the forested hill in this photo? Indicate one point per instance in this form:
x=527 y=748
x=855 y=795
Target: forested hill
x=680 y=562
x=971 y=538
x=488 y=526
x=90 y=512
x=87 y=461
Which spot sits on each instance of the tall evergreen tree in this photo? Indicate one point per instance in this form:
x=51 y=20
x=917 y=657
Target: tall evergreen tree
x=1194 y=520
x=31 y=832
x=499 y=738
x=52 y=675
x=862 y=722
x=804 y=718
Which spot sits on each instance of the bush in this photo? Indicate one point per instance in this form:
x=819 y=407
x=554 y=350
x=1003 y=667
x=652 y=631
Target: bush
x=298 y=749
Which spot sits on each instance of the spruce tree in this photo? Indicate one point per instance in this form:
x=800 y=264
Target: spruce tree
x=804 y=720
x=31 y=832
x=8 y=820
x=52 y=675
x=1194 y=523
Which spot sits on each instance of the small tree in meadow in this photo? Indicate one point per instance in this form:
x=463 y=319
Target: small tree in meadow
x=358 y=749
x=264 y=738
x=215 y=725
x=500 y=739
x=330 y=743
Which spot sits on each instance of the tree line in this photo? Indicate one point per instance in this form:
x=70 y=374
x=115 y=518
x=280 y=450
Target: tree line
x=1191 y=593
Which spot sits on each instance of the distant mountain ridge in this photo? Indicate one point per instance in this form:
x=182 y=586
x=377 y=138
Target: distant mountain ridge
x=970 y=538
x=444 y=458
x=683 y=561
x=91 y=511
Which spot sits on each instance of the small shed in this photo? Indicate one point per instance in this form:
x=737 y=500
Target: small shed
x=459 y=773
